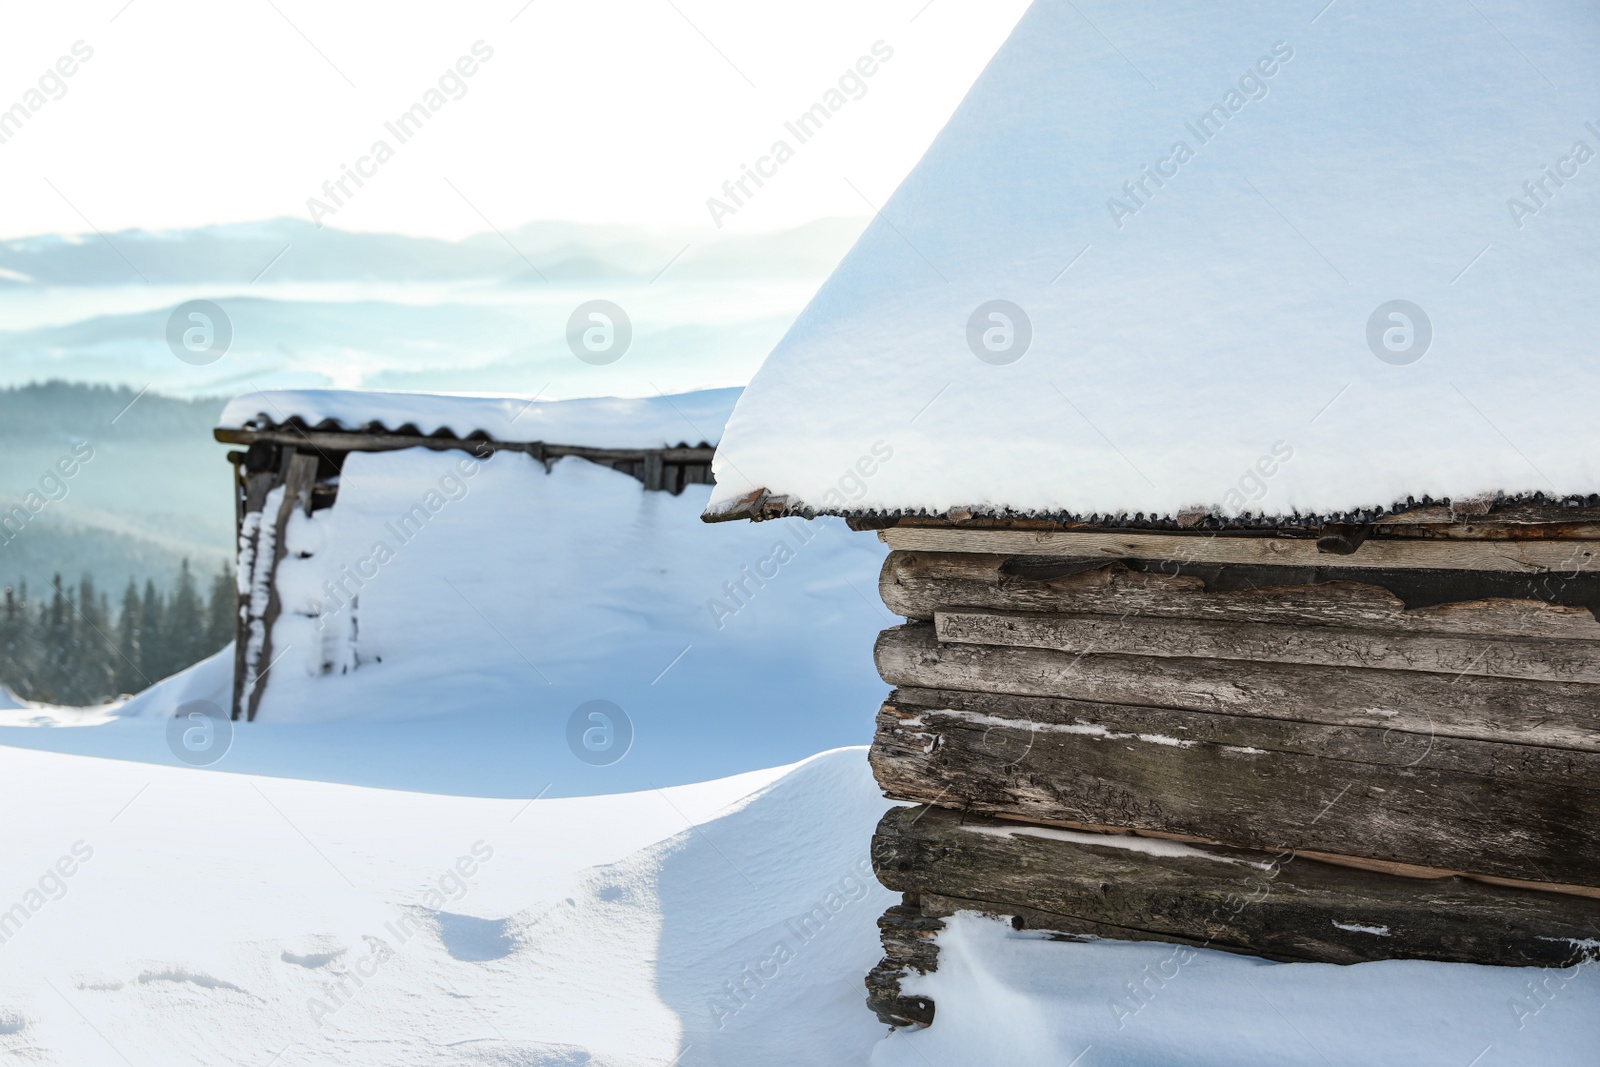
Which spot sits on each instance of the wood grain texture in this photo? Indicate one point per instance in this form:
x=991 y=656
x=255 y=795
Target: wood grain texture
x=907 y=933
x=1551 y=714
x=1526 y=518
x=1275 y=906
x=297 y=474
x=916 y=585
x=252 y=499
x=1511 y=811
x=1328 y=646
x=1529 y=556
x=1485 y=531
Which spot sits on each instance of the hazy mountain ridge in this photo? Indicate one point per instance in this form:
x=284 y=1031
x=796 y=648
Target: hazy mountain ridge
x=288 y=249
x=62 y=409
x=313 y=308
x=154 y=490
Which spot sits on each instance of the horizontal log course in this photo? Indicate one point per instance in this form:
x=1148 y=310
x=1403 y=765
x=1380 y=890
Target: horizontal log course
x=1523 y=556
x=1503 y=657
x=916 y=585
x=1276 y=906
x=1551 y=714
x=1509 y=811
x=1488 y=519
x=1478 y=518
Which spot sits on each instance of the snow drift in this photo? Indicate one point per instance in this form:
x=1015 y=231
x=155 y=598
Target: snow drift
x=727 y=923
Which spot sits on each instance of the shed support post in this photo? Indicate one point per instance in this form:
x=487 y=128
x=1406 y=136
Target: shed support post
x=261 y=547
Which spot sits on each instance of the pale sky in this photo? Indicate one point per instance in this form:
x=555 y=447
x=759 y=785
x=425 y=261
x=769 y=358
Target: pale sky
x=193 y=113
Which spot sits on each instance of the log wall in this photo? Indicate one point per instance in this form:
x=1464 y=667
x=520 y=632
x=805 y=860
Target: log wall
x=1243 y=743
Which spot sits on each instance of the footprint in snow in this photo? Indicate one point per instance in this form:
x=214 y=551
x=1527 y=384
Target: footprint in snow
x=471 y=939
x=535 y=1054
x=204 y=981
x=311 y=961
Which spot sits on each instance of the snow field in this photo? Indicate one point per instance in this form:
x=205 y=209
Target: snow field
x=228 y=918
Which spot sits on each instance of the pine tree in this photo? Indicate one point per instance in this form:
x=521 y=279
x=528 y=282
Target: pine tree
x=129 y=679
x=222 y=610
x=57 y=639
x=152 y=631
x=93 y=654
x=185 y=623
x=16 y=643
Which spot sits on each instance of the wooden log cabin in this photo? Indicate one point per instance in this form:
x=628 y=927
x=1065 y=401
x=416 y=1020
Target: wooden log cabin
x=294 y=443
x=1246 y=606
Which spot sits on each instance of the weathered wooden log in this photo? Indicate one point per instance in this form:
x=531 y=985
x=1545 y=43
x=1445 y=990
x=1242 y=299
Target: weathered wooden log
x=296 y=476
x=1478 y=519
x=1548 y=525
x=248 y=541
x=1502 y=657
x=652 y=471
x=1553 y=714
x=908 y=945
x=333 y=441
x=1511 y=811
x=918 y=584
x=1276 y=906
x=1534 y=556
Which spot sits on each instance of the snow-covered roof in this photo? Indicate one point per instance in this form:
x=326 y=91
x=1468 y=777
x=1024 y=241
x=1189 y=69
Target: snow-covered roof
x=1275 y=261
x=599 y=422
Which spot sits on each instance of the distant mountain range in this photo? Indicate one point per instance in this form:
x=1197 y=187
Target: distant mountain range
x=286 y=249
x=154 y=490
x=313 y=308
x=489 y=313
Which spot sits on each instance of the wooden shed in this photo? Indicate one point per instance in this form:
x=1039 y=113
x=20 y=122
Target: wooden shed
x=295 y=443
x=1249 y=561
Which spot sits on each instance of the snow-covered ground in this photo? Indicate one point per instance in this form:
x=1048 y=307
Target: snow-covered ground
x=211 y=918
x=1013 y=998
x=170 y=916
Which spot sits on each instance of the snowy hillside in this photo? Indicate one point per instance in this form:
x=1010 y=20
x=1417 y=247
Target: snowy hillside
x=393 y=928
x=727 y=924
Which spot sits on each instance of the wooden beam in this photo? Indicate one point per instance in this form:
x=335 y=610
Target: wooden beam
x=919 y=584
x=1553 y=714
x=1272 y=905
x=1510 y=811
x=1279 y=642
x=365 y=441
x=1533 y=556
